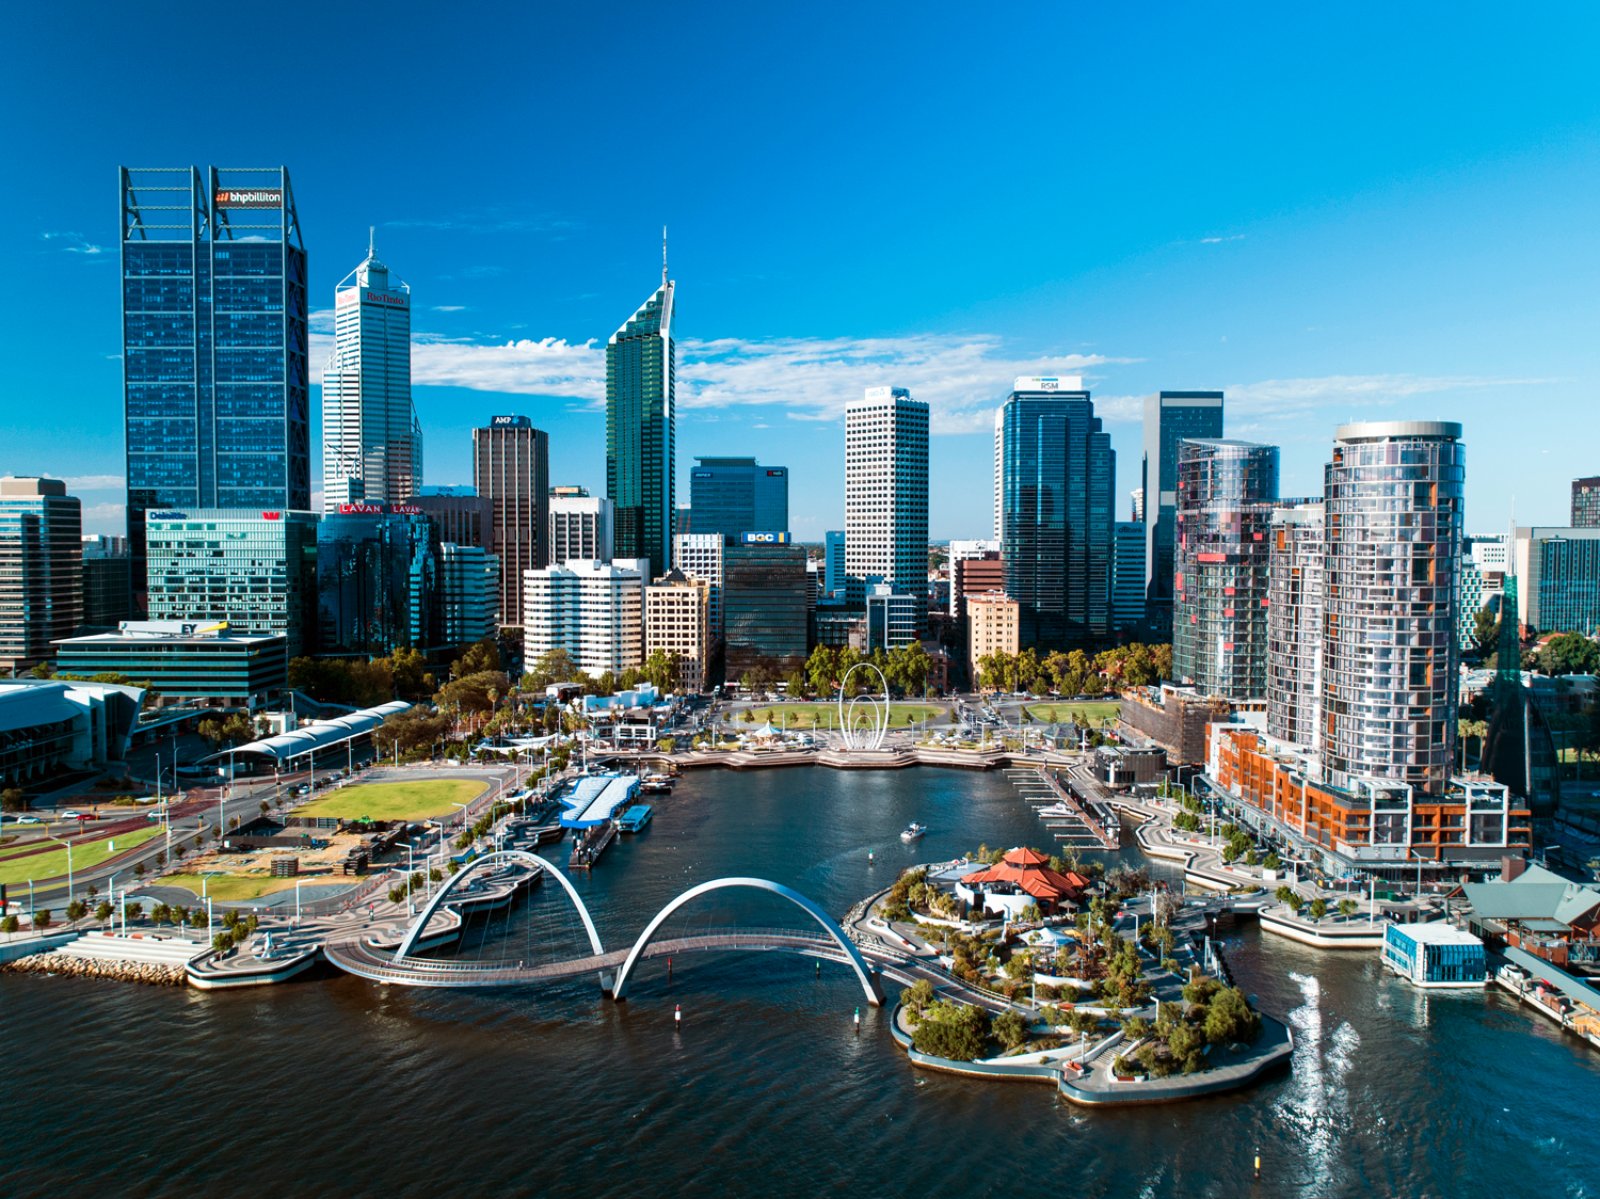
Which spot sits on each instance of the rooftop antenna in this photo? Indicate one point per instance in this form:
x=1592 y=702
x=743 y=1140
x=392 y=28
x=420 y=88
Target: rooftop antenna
x=663 y=255
x=372 y=241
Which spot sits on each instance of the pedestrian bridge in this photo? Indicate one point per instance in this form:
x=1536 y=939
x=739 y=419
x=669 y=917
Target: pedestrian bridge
x=362 y=957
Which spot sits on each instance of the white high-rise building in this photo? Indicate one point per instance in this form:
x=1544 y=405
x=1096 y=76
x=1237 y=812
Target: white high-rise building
x=886 y=490
x=371 y=440
x=580 y=526
x=592 y=610
x=699 y=556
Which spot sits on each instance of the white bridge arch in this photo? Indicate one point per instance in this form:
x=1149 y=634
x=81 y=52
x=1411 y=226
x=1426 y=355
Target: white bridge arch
x=414 y=933
x=857 y=963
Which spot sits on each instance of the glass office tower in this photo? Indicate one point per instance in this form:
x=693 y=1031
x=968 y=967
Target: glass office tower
x=377 y=578
x=641 y=419
x=215 y=388
x=371 y=439
x=732 y=496
x=1058 y=489
x=1169 y=418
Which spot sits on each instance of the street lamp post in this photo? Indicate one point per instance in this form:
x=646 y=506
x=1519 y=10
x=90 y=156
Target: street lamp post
x=68 y=844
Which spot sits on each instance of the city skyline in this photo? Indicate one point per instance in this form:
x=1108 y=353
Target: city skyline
x=1429 y=267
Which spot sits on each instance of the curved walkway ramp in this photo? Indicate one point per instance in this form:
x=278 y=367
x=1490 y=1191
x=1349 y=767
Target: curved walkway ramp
x=864 y=973
x=499 y=857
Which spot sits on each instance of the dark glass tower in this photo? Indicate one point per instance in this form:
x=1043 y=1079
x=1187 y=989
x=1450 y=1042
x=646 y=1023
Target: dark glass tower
x=641 y=361
x=214 y=345
x=1169 y=418
x=1058 y=491
x=732 y=496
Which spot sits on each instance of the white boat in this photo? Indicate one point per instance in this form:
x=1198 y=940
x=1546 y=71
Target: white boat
x=913 y=831
x=1059 y=811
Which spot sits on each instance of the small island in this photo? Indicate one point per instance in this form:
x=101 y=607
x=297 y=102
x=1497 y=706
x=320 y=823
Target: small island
x=1030 y=968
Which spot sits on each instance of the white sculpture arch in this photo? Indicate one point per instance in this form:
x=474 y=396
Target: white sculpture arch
x=869 y=731
x=414 y=933
x=830 y=926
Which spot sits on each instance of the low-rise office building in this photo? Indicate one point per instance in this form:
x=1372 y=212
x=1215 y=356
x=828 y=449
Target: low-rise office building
x=469 y=593
x=181 y=660
x=764 y=608
x=994 y=626
x=677 y=624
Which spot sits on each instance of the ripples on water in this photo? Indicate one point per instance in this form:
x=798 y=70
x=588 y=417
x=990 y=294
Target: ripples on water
x=338 y=1086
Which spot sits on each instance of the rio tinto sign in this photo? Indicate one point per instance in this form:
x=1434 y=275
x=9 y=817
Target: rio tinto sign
x=255 y=197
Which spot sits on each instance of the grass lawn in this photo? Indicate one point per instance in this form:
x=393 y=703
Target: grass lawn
x=826 y=716
x=86 y=855
x=230 y=888
x=397 y=801
x=1093 y=710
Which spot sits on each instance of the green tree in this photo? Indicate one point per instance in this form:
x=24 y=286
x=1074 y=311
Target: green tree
x=476 y=658
x=41 y=919
x=917 y=997
x=1348 y=908
x=77 y=909
x=13 y=799
x=103 y=912
x=1485 y=631
x=1570 y=653
x=1319 y=908
x=9 y=925
x=1229 y=1018
x=1009 y=1028
x=661 y=669
x=822 y=670
x=954 y=1031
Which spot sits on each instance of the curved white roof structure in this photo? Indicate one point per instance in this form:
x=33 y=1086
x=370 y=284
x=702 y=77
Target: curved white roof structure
x=319 y=734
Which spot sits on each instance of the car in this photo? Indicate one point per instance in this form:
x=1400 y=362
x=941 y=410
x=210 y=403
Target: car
x=28 y=820
x=71 y=814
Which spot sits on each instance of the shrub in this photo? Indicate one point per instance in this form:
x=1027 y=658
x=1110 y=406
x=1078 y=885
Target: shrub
x=1010 y=1029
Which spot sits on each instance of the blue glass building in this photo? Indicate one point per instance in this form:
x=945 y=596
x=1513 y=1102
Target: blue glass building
x=833 y=562
x=377 y=578
x=732 y=496
x=1058 y=491
x=1169 y=418
x=215 y=391
x=641 y=419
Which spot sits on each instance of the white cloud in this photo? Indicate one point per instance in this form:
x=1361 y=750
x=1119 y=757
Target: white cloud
x=103 y=518
x=1217 y=241
x=75 y=243
x=77 y=483
x=448 y=308
x=961 y=377
x=320 y=320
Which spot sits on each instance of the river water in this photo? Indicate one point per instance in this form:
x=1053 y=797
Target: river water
x=338 y=1086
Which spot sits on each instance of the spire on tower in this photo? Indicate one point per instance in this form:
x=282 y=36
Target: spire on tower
x=663 y=255
x=372 y=241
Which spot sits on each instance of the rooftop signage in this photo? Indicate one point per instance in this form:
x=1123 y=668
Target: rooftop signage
x=257 y=197
x=1048 y=383
x=510 y=422
x=765 y=538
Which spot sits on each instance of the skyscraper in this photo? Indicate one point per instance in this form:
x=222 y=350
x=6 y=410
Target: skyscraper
x=731 y=496
x=371 y=440
x=1389 y=655
x=41 y=570
x=377 y=582
x=886 y=490
x=1225 y=497
x=1058 y=487
x=215 y=379
x=641 y=420
x=1295 y=561
x=107 y=587
x=468 y=593
x=511 y=469
x=1127 y=578
x=999 y=473
x=833 y=563
x=1169 y=417
x=1586 y=503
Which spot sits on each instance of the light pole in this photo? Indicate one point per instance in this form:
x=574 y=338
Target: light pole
x=68 y=844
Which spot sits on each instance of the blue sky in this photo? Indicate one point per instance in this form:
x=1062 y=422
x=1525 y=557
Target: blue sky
x=1334 y=213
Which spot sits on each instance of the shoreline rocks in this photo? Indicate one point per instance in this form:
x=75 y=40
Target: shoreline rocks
x=144 y=973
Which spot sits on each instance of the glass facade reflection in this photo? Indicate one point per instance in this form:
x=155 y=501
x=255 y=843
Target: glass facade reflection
x=377 y=575
x=1169 y=418
x=731 y=496
x=1058 y=489
x=1225 y=496
x=217 y=403
x=641 y=420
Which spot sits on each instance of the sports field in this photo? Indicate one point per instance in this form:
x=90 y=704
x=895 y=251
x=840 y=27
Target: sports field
x=1092 y=711
x=826 y=716
x=409 y=800
x=229 y=888
x=85 y=855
